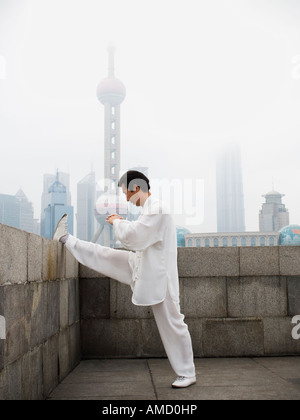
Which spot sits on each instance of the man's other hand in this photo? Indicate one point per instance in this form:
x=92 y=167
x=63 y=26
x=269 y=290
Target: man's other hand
x=112 y=217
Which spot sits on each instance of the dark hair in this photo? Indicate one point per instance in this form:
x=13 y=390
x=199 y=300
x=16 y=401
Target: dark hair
x=131 y=178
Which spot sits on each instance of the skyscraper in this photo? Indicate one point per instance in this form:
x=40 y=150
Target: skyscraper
x=230 y=196
x=273 y=216
x=16 y=211
x=86 y=200
x=56 y=208
x=48 y=181
x=9 y=211
x=111 y=93
x=26 y=212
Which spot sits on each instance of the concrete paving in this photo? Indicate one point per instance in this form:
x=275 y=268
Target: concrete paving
x=274 y=378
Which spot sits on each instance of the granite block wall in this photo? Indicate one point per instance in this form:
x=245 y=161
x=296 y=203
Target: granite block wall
x=236 y=302
x=54 y=312
x=39 y=309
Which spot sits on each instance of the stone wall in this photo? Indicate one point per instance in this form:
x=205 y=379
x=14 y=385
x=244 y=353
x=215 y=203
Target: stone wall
x=53 y=312
x=237 y=302
x=39 y=309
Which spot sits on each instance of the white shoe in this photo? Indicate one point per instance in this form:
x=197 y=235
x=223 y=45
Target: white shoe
x=61 y=229
x=183 y=382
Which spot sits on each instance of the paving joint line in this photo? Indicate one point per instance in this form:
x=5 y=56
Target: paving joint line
x=152 y=381
x=278 y=375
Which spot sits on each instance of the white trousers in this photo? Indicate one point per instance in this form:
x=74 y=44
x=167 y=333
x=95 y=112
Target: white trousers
x=173 y=331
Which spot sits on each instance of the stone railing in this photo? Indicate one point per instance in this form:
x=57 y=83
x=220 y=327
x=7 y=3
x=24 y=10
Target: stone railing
x=53 y=312
x=237 y=302
x=39 y=309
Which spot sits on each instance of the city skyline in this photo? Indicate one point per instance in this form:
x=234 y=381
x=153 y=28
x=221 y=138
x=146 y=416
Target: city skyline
x=87 y=200
x=208 y=75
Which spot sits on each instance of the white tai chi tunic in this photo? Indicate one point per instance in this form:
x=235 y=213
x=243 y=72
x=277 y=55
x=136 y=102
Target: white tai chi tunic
x=151 y=271
x=154 y=264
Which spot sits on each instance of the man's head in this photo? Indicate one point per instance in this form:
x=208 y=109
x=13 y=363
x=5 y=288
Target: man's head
x=135 y=186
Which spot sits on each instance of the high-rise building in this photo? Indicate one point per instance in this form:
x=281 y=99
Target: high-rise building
x=16 y=211
x=56 y=208
x=48 y=181
x=111 y=93
x=26 y=212
x=273 y=216
x=230 y=196
x=9 y=210
x=86 y=200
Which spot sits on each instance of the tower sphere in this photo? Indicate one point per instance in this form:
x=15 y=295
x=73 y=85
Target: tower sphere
x=111 y=90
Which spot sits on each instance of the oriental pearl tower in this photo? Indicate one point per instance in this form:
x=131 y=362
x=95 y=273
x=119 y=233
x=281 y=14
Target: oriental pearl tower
x=111 y=93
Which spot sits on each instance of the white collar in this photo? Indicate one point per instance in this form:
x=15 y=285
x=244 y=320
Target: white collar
x=154 y=206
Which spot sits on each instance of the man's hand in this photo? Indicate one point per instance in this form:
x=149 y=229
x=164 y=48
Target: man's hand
x=111 y=218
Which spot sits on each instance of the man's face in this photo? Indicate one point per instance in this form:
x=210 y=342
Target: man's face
x=132 y=196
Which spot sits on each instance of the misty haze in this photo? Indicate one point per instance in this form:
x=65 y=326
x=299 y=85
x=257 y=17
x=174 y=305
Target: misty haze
x=202 y=96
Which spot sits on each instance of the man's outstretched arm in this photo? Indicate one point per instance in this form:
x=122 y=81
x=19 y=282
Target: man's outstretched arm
x=140 y=234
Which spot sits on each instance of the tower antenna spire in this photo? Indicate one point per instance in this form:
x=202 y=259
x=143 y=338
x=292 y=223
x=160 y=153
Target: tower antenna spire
x=111 y=60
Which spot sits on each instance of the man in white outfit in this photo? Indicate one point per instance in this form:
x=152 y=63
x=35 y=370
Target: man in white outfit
x=150 y=268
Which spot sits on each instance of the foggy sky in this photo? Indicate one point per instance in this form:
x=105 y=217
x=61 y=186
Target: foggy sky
x=199 y=74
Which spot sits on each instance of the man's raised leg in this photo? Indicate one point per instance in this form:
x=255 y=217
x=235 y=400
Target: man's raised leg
x=110 y=262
